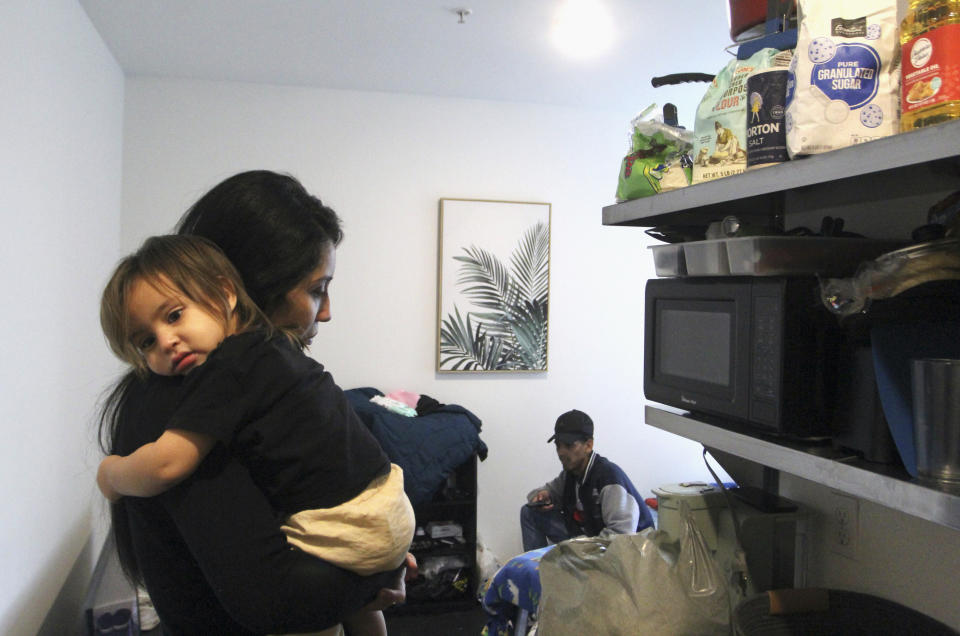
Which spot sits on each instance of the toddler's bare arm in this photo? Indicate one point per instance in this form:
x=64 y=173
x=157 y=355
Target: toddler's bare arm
x=155 y=467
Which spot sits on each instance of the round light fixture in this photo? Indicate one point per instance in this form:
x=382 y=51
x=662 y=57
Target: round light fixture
x=583 y=28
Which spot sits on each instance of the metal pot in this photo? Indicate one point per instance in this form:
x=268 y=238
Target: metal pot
x=748 y=17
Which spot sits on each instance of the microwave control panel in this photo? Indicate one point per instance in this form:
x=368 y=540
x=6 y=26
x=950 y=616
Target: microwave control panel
x=766 y=349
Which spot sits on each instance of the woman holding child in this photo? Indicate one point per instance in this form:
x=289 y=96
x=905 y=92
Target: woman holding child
x=210 y=550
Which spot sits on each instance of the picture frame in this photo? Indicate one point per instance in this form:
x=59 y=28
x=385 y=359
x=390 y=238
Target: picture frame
x=493 y=286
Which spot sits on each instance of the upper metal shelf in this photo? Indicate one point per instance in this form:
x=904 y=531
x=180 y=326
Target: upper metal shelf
x=866 y=169
x=880 y=484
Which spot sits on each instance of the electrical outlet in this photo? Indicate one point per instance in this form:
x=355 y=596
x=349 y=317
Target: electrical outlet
x=843 y=525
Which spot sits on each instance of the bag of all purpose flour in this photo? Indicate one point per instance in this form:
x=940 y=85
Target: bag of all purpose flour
x=844 y=84
x=720 y=143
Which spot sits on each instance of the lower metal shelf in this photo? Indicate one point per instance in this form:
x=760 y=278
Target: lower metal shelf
x=880 y=484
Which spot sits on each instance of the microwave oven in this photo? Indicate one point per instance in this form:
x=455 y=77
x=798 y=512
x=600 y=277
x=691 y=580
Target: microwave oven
x=756 y=350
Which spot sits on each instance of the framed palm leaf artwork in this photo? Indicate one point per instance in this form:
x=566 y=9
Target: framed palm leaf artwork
x=493 y=290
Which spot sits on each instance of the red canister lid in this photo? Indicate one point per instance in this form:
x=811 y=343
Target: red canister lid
x=744 y=15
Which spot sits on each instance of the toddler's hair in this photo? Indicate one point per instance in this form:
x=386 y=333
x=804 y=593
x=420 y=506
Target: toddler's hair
x=181 y=265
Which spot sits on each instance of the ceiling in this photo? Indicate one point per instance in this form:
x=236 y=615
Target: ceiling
x=501 y=51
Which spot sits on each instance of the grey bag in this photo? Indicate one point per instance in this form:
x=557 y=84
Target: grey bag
x=646 y=583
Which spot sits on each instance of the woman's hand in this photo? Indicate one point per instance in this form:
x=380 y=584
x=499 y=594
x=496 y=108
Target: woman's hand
x=388 y=597
x=413 y=570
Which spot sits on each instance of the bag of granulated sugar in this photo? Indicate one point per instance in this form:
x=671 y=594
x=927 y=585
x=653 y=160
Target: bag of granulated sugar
x=844 y=83
x=720 y=129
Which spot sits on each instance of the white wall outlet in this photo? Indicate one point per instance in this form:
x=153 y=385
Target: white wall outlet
x=843 y=525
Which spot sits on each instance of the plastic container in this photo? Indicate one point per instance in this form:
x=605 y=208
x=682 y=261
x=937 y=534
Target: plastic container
x=704 y=501
x=802 y=255
x=668 y=260
x=930 y=70
x=936 y=420
x=843 y=613
x=768 y=256
x=706 y=258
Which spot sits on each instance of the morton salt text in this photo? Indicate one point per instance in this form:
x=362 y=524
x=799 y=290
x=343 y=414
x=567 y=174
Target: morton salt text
x=847 y=75
x=762 y=129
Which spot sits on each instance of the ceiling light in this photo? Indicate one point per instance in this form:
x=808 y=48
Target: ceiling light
x=583 y=28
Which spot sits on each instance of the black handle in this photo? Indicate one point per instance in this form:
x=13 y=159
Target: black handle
x=680 y=78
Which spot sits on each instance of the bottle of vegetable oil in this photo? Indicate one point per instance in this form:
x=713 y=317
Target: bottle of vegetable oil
x=930 y=66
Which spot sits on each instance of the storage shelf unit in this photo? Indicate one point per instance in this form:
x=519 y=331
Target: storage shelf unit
x=878 y=483
x=862 y=178
x=457 y=503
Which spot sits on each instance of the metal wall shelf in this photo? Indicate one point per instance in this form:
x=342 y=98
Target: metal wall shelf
x=878 y=483
x=866 y=172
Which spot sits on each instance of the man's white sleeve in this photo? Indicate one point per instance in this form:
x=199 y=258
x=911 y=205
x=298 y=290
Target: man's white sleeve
x=620 y=511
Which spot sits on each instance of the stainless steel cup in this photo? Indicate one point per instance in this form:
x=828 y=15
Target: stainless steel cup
x=936 y=419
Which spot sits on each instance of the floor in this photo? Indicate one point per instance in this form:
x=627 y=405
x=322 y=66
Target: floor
x=447 y=624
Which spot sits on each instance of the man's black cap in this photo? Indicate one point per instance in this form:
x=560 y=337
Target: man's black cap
x=572 y=426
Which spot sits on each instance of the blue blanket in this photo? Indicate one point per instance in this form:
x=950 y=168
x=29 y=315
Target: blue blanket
x=515 y=586
x=427 y=447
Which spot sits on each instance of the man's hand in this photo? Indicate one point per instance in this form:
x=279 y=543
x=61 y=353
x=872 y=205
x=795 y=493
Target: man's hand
x=103 y=477
x=541 y=500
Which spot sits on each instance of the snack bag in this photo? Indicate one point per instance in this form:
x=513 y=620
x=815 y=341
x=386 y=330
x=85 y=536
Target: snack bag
x=720 y=144
x=844 y=84
x=659 y=159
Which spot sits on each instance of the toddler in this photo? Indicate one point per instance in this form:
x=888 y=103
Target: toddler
x=177 y=307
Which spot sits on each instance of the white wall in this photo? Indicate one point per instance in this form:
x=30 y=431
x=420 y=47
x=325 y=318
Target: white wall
x=383 y=161
x=899 y=557
x=60 y=180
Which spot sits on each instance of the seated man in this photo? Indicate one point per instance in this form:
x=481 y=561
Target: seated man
x=592 y=496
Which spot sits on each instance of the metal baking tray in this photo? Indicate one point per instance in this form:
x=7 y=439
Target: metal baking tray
x=802 y=255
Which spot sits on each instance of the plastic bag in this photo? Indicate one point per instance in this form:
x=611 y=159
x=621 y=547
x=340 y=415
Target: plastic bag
x=659 y=158
x=441 y=578
x=892 y=274
x=646 y=583
x=487 y=563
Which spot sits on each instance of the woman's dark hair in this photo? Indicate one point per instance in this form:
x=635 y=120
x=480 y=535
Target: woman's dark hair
x=275 y=233
x=271 y=229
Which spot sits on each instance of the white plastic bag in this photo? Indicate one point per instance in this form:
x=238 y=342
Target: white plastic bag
x=646 y=583
x=487 y=564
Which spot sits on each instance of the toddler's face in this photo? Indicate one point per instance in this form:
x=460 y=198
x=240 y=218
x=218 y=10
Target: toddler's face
x=173 y=333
